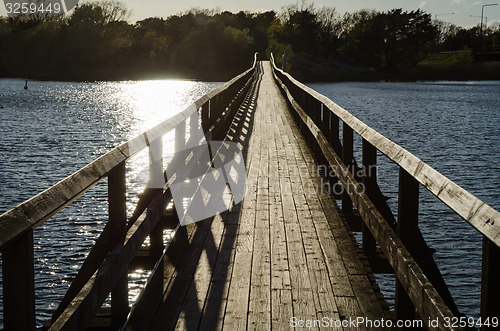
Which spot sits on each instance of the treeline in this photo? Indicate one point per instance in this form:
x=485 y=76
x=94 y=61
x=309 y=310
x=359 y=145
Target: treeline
x=96 y=42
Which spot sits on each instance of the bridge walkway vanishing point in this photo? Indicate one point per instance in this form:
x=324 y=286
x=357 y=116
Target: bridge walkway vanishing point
x=283 y=253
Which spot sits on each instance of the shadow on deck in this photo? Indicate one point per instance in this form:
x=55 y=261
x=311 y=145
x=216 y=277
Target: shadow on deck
x=280 y=256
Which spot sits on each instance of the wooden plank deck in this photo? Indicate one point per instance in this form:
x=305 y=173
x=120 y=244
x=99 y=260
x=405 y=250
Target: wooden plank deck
x=283 y=252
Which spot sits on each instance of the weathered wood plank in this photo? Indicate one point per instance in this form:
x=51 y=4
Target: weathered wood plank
x=305 y=196
x=259 y=310
x=385 y=236
x=302 y=295
x=216 y=302
x=356 y=282
x=198 y=292
x=281 y=293
x=276 y=261
x=19 y=284
x=237 y=305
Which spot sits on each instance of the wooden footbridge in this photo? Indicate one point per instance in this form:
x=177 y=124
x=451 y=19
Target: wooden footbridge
x=282 y=258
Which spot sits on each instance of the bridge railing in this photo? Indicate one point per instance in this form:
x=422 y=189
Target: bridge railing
x=419 y=284
x=105 y=268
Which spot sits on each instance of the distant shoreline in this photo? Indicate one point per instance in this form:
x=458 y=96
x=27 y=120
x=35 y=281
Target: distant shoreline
x=472 y=72
x=487 y=71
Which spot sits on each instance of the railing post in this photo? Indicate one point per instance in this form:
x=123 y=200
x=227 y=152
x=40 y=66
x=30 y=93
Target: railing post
x=327 y=131
x=318 y=119
x=195 y=133
x=118 y=219
x=327 y=123
x=180 y=137
x=407 y=227
x=205 y=118
x=19 y=284
x=490 y=286
x=305 y=106
x=347 y=159
x=156 y=184
x=324 y=127
x=369 y=163
x=334 y=138
x=156 y=175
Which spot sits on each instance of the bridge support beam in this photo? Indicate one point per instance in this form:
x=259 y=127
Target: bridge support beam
x=407 y=225
x=118 y=218
x=369 y=181
x=348 y=160
x=490 y=285
x=19 y=284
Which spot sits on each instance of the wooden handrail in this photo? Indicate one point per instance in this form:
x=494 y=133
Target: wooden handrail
x=481 y=216
x=414 y=290
x=38 y=209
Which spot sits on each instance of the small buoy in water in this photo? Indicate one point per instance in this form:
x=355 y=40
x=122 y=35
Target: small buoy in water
x=26 y=85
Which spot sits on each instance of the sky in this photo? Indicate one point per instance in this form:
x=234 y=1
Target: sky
x=440 y=9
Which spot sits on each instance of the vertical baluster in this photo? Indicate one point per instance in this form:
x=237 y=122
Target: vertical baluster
x=320 y=120
x=195 y=133
x=180 y=137
x=325 y=126
x=19 y=284
x=407 y=227
x=205 y=117
x=311 y=112
x=327 y=121
x=347 y=159
x=303 y=105
x=156 y=175
x=335 y=133
x=156 y=184
x=303 y=100
x=179 y=145
x=118 y=219
x=369 y=181
x=327 y=131
x=490 y=286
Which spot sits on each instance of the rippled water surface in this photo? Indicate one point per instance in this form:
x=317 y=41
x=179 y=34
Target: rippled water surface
x=455 y=128
x=55 y=128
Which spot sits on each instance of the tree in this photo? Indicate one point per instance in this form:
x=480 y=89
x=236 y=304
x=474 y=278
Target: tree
x=214 y=50
x=390 y=39
x=99 y=13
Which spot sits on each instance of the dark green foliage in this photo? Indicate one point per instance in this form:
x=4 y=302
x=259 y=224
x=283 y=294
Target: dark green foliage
x=96 y=43
x=214 y=48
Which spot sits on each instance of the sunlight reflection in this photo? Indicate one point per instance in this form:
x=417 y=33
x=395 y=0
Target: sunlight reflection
x=156 y=100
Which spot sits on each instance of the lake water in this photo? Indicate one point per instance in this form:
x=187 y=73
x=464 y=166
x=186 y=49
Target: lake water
x=55 y=128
